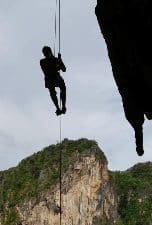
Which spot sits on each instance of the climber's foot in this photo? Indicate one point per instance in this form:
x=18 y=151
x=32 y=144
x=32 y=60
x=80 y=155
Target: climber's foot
x=63 y=110
x=58 y=112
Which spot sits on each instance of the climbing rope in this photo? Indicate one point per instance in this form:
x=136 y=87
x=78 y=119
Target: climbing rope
x=58 y=7
x=60 y=168
x=60 y=122
x=55 y=27
x=59 y=26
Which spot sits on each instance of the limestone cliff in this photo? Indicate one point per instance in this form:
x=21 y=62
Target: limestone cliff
x=88 y=197
x=91 y=195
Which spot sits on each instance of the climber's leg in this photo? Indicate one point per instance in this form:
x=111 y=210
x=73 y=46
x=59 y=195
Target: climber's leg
x=63 y=95
x=54 y=98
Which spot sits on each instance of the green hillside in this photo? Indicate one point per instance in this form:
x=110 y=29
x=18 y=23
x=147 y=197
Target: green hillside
x=134 y=190
x=41 y=171
x=37 y=173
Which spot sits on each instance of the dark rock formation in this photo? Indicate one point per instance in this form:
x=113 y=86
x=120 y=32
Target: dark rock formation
x=126 y=27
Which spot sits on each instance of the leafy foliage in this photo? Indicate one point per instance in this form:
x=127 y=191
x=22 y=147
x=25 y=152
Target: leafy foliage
x=134 y=192
x=40 y=172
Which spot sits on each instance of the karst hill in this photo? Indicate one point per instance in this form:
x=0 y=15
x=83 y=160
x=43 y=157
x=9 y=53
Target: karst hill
x=91 y=194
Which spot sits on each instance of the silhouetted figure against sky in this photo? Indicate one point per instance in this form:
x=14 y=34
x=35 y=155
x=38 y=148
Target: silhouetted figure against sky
x=51 y=67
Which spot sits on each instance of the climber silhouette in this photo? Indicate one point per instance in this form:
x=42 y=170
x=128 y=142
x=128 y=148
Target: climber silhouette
x=51 y=67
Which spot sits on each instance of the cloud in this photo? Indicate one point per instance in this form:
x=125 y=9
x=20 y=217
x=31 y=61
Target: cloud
x=28 y=121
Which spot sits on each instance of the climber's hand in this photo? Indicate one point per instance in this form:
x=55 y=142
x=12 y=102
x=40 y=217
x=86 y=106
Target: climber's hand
x=59 y=55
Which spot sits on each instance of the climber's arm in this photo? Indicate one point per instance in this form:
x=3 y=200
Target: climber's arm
x=61 y=64
x=42 y=65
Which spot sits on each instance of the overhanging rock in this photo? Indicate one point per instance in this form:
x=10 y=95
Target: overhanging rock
x=127 y=30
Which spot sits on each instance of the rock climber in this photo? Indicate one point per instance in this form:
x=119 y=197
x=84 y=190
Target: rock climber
x=51 y=67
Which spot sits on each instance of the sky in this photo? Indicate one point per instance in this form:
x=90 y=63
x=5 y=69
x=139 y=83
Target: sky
x=94 y=109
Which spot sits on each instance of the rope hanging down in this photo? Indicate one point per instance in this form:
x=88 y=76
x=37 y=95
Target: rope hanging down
x=60 y=122
x=55 y=25
x=57 y=7
x=59 y=26
x=58 y=3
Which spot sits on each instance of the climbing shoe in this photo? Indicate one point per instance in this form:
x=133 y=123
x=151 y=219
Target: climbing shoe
x=58 y=112
x=63 y=110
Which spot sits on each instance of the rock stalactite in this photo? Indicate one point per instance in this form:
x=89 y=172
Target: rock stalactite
x=127 y=30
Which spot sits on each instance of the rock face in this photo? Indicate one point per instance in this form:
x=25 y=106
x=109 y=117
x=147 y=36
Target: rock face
x=91 y=195
x=127 y=30
x=88 y=197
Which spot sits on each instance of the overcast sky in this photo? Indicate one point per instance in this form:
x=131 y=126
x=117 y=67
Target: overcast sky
x=28 y=122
